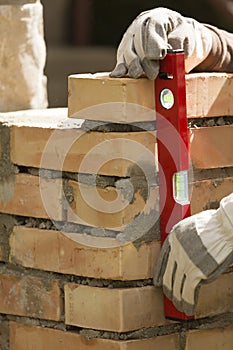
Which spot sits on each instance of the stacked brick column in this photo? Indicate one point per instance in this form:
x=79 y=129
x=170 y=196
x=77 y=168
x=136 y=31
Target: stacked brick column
x=66 y=281
x=22 y=55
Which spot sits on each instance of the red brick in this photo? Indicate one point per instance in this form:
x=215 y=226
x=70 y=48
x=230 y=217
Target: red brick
x=29 y=296
x=24 y=197
x=82 y=255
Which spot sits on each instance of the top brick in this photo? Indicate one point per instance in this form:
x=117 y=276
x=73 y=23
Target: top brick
x=125 y=100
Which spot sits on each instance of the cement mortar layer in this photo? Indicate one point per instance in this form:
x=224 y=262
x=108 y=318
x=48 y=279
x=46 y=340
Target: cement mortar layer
x=57 y=118
x=22 y=56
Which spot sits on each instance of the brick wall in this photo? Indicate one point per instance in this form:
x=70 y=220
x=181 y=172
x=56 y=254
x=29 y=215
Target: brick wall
x=71 y=188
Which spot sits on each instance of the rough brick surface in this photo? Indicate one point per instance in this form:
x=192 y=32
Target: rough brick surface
x=214 y=339
x=37 y=338
x=206 y=194
x=216 y=297
x=28 y=196
x=108 y=207
x=211 y=147
x=98 y=97
x=117 y=310
x=29 y=296
x=208 y=95
x=82 y=255
x=113 y=153
x=26 y=337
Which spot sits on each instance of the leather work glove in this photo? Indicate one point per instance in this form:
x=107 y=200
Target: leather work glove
x=149 y=37
x=198 y=249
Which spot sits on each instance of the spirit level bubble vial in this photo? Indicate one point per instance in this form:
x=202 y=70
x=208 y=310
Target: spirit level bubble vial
x=173 y=151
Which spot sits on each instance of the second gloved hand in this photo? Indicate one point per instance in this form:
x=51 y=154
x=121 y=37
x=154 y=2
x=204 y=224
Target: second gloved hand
x=198 y=249
x=149 y=37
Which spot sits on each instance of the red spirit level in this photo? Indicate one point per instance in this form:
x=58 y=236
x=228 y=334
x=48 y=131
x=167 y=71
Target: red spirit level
x=173 y=150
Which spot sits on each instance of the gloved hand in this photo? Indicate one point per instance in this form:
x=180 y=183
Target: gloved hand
x=149 y=37
x=198 y=249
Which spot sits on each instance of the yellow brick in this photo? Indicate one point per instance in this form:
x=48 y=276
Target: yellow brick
x=30 y=296
x=119 y=310
x=95 y=206
x=167 y=342
x=37 y=338
x=40 y=338
x=206 y=193
x=98 y=97
x=82 y=255
x=209 y=94
x=211 y=147
x=214 y=339
x=24 y=197
x=216 y=297
x=65 y=149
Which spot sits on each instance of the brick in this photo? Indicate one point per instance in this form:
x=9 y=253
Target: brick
x=211 y=147
x=216 y=297
x=206 y=194
x=82 y=255
x=214 y=339
x=98 y=97
x=168 y=342
x=29 y=296
x=119 y=310
x=38 y=338
x=24 y=197
x=108 y=207
x=209 y=94
x=114 y=153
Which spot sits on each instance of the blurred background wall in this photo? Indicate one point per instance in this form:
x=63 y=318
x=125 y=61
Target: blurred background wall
x=82 y=35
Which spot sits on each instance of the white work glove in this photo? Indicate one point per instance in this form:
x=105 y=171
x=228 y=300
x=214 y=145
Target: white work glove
x=198 y=249
x=149 y=37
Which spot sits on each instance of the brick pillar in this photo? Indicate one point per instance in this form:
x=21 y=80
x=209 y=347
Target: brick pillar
x=22 y=56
